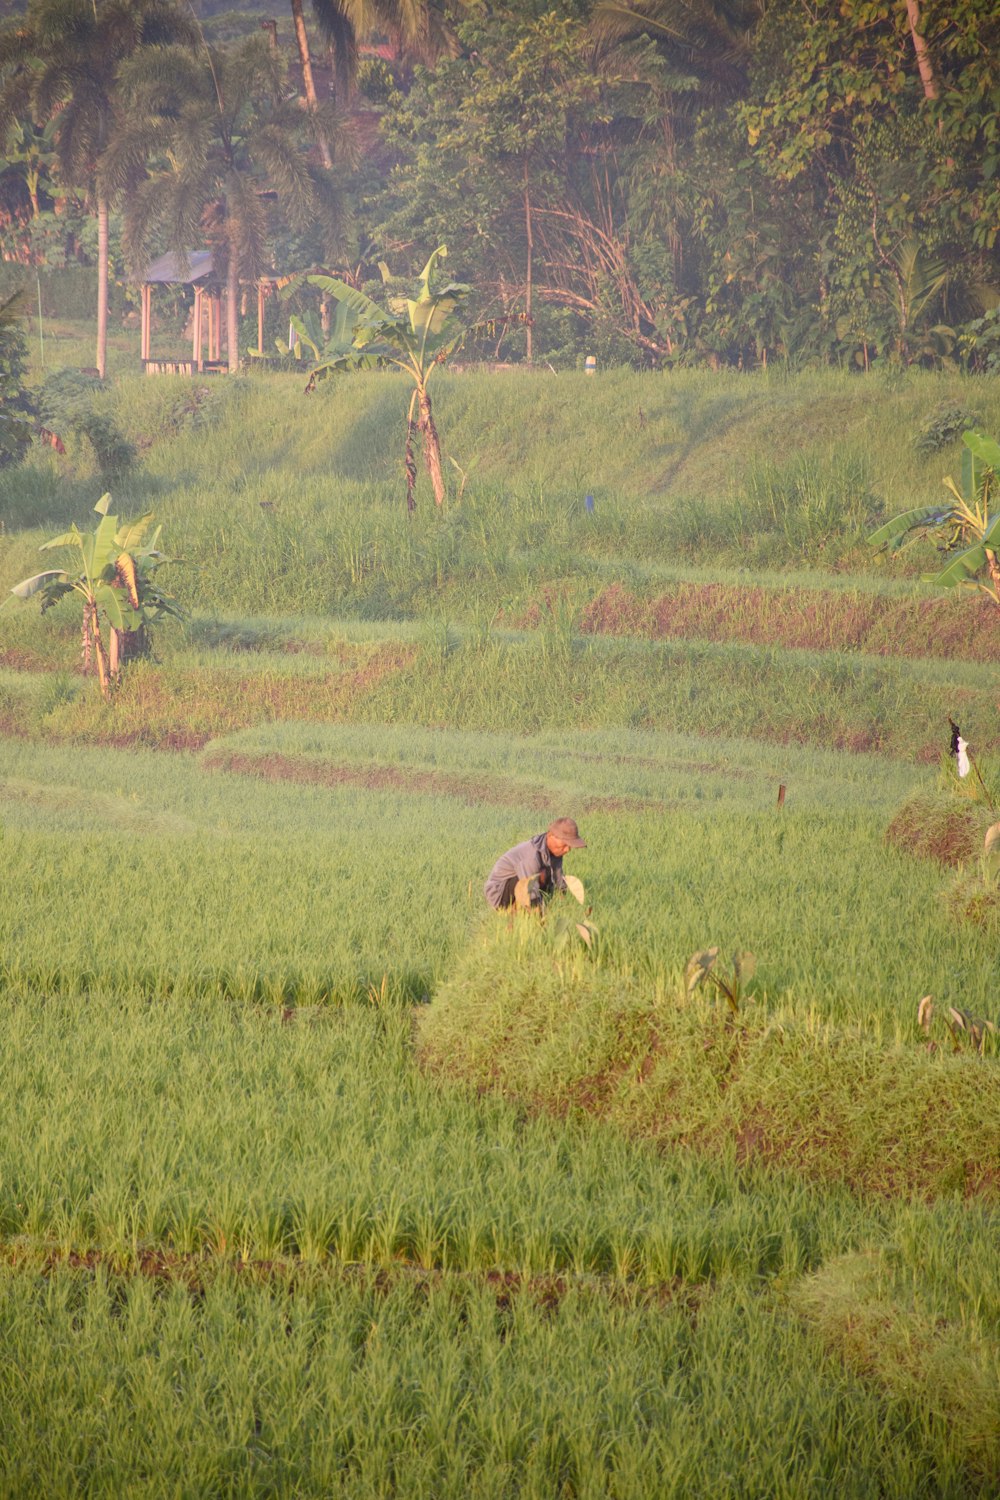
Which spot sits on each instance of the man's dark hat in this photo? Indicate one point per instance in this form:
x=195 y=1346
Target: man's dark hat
x=566 y=831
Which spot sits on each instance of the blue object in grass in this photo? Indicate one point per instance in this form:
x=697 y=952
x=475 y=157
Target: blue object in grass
x=589 y=504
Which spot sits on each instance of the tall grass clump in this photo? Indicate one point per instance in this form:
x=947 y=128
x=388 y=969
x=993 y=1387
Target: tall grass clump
x=568 y=1035
x=920 y=1324
x=813 y=508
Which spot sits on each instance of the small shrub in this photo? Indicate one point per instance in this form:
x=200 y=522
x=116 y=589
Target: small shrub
x=979 y=342
x=943 y=426
x=702 y=966
x=976 y=1033
x=67 y=404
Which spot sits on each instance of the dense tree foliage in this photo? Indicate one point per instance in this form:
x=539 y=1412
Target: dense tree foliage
x=658 y=181
x=60 y=65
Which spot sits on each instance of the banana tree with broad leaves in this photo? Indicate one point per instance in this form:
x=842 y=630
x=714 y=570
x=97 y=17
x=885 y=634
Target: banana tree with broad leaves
x=117 y=585
x=416 y=334
x=967 y=524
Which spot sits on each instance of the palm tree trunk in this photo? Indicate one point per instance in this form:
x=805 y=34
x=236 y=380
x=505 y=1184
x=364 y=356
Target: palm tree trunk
x=232 y=310
x=924 y=64
x=102 y=287
x=529 y=267
x=307 y=78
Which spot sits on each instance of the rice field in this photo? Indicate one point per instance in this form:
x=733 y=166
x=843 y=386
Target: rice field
x=318 y=1178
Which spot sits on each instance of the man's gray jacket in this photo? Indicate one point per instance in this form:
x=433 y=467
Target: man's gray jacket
x=524 y=860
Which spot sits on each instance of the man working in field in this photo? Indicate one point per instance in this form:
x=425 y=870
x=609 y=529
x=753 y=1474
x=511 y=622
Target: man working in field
x=540 y=857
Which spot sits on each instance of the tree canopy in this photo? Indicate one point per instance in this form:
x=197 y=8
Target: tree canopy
x=724 y=181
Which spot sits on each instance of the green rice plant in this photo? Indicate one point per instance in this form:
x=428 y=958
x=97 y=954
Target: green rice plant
x=315 y=796
x=362 y=1388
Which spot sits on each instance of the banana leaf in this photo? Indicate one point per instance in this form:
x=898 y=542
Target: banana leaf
x=129 y=536
x=983 y=448
x=104 y=549
x=28 y=587
x=357 y=301
x=114 y=604
x=71 y=538
x=911 y=520
x=963 y=567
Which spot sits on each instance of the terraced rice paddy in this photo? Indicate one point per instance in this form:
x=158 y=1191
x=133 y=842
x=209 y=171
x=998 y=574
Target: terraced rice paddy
x=318 y=1178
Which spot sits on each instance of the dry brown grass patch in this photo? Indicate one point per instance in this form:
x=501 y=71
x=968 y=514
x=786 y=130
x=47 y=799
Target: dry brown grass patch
x=470 y=789
x=945 y=830
x=810 y=619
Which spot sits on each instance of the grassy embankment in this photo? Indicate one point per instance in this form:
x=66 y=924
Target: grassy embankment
x=447 y=1295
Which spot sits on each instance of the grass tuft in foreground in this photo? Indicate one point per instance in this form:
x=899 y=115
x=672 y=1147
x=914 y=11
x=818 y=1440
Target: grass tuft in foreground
x=893 y=1328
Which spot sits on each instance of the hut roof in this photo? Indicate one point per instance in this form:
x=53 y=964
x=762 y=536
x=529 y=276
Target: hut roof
x=170 y=269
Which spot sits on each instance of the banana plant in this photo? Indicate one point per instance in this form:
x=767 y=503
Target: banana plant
x=416 y=334
x=967 y=524
x=115 y=582
x=31 y=154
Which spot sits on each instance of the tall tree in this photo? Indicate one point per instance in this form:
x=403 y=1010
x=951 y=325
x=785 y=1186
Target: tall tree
x=62 y=62
x=227 y=146
x=308 y=84
x=419 y=30
x=887 y=135
x=513 y=149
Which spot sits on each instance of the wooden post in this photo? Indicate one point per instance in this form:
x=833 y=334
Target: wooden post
x=196 y=340
x=781 y=794
x=260 y=317
x=144 y=325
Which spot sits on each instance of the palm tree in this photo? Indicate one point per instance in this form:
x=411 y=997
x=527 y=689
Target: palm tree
x=709 y=40
x=227 y=146
x=419 y=30
x=62 y=62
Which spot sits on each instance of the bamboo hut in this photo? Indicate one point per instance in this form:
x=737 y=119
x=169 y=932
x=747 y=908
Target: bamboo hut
x=207 y=320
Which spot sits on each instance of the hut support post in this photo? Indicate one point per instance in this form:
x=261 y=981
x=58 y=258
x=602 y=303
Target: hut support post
x=260 y=317
x=196 y=339
x=144 y=325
